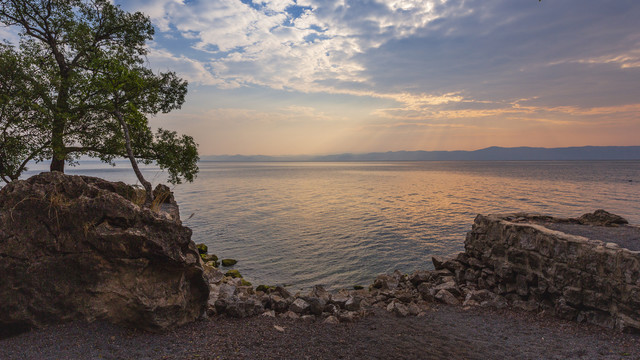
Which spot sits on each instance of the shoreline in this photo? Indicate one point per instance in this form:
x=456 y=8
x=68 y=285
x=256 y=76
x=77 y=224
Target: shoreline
x=510 y=262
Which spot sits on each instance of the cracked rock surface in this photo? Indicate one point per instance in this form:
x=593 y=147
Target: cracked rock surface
x=81 y=248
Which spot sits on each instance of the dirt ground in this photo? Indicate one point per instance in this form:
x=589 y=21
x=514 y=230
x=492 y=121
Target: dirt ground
x=444 y=333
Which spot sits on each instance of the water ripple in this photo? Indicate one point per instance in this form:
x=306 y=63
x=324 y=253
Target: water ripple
x=340 y=224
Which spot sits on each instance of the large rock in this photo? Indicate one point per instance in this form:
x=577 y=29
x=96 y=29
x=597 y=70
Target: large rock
x=602 y=218
x=77 y=247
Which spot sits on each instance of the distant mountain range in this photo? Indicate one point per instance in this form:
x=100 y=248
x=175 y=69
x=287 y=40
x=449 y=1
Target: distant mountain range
x=491 y=153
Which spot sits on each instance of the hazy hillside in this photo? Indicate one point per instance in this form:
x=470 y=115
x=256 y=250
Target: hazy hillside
x=491 y=153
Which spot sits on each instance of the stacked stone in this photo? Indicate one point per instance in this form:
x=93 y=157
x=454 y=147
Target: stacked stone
x=536 y=268
x=401 y=294
x=407 y=295
x=229 y=296
x=413 y=294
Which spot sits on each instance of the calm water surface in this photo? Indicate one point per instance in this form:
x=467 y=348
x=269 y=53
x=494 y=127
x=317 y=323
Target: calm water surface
x=340 y=224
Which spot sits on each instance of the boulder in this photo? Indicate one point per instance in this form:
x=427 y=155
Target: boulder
x=438 y=262
x=398 y=308
x=446 y=297
x=226 y=291
x=290 y=315
x=353 y=303
x=602 y=218
x=347 y=316
x=278 y=303
x=424 y=290
x=405 y=296
x=316 y=305
x=340 y=299
x=450 y=286
x=202 y=249
x=331 y=320
x=212 y=275
x=414 y=309
x=385 y=282
x=229 y=262
x=82 y=248
x=265 y=288
x=234 y=274
x=244 y=308
x=209 y=257
x=283 y=292
x=318 y=291
x=420 y=277
x=331 y=309
x=299 y=306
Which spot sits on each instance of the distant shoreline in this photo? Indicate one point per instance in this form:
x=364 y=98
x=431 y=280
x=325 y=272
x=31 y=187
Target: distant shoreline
x=396 y=161
x=583 y=153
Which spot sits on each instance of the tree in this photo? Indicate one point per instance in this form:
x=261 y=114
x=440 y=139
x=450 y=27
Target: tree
x=128 y=93
x=92 y=94
x=22 y=130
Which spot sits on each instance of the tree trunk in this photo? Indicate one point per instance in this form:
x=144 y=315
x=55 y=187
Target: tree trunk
x=57 y=164
x=57 y=144
x=132 y=159
x=59 y=123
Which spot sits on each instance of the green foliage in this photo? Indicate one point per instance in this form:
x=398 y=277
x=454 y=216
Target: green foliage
x=177 y=154
x=20 y=140
x=77 y=71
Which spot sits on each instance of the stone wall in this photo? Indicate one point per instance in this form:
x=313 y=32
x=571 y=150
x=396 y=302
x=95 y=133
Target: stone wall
x=536 y=268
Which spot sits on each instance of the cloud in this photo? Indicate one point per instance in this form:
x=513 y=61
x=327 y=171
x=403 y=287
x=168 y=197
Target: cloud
x=442 y=62
x=192 y=70
x=626 y=60
x=9 y=35
x=157 y=10
x=288 y=44
x=485 y=51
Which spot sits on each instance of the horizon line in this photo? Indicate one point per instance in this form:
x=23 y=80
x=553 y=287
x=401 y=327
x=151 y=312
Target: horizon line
x=420 y=151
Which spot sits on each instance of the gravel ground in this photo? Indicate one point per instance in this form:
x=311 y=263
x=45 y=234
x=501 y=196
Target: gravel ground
x=444 y=333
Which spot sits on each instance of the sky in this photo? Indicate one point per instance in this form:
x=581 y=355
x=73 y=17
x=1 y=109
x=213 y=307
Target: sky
x=290 y=77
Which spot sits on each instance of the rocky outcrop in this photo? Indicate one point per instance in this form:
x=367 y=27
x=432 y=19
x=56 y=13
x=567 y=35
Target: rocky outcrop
x=601 y=218
x=518 y=259
x=77 y=247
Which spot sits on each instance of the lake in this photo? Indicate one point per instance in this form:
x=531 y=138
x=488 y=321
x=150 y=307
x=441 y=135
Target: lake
x=341 y=224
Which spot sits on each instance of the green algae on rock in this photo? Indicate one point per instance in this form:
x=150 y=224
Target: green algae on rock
x=213 y=264
x=233 y=274
x=229 y=262
x=202 y=248
x=209 y=257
